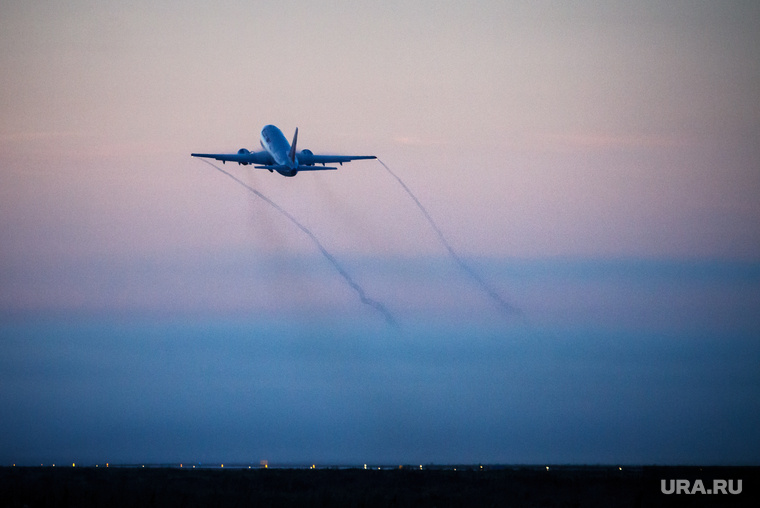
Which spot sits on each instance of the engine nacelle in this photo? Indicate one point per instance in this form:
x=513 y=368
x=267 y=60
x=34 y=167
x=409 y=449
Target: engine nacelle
x=306 y=157
x=243 y=151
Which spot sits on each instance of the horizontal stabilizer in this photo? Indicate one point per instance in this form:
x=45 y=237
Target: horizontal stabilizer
x=277 y=167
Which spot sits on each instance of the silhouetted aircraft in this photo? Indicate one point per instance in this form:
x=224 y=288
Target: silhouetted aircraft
x=279 y=155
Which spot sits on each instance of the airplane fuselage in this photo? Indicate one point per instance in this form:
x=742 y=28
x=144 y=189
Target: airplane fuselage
x=276 y=145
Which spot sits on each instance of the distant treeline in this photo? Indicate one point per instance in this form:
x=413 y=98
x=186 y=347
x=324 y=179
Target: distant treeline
x=334 y=487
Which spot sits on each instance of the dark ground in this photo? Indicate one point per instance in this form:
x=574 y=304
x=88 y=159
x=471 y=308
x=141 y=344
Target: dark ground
x=561 y=486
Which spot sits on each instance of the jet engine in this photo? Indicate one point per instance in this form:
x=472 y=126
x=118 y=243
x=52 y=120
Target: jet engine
x=243 y=151
x=306 y=157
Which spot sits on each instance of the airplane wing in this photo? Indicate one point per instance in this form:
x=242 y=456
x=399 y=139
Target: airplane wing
x=263 y=160
x=242 y=157
x=333 y=159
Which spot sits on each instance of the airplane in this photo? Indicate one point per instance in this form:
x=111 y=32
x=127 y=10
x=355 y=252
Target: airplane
x=279 y=155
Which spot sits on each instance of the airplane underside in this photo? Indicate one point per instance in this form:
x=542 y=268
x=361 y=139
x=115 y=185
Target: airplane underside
x=280 y=156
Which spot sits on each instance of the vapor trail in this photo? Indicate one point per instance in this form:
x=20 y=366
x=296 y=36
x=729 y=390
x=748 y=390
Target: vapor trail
x=508 y=308
x=349 y=280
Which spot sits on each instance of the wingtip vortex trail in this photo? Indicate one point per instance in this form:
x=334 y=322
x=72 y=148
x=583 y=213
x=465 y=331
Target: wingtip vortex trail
x=505 y=306
x=343 y=273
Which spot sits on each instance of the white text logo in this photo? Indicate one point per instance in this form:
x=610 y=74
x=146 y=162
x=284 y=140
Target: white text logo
x=698 y=487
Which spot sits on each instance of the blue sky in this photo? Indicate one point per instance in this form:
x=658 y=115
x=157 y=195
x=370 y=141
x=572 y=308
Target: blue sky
x=616 y=363
x=596 y=164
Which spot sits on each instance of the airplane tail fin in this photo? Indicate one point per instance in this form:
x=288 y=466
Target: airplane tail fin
x=292 y=154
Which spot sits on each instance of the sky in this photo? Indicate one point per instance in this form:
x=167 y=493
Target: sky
x=597 y=166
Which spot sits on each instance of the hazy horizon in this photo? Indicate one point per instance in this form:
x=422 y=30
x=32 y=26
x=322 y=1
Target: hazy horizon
x=623 y=362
